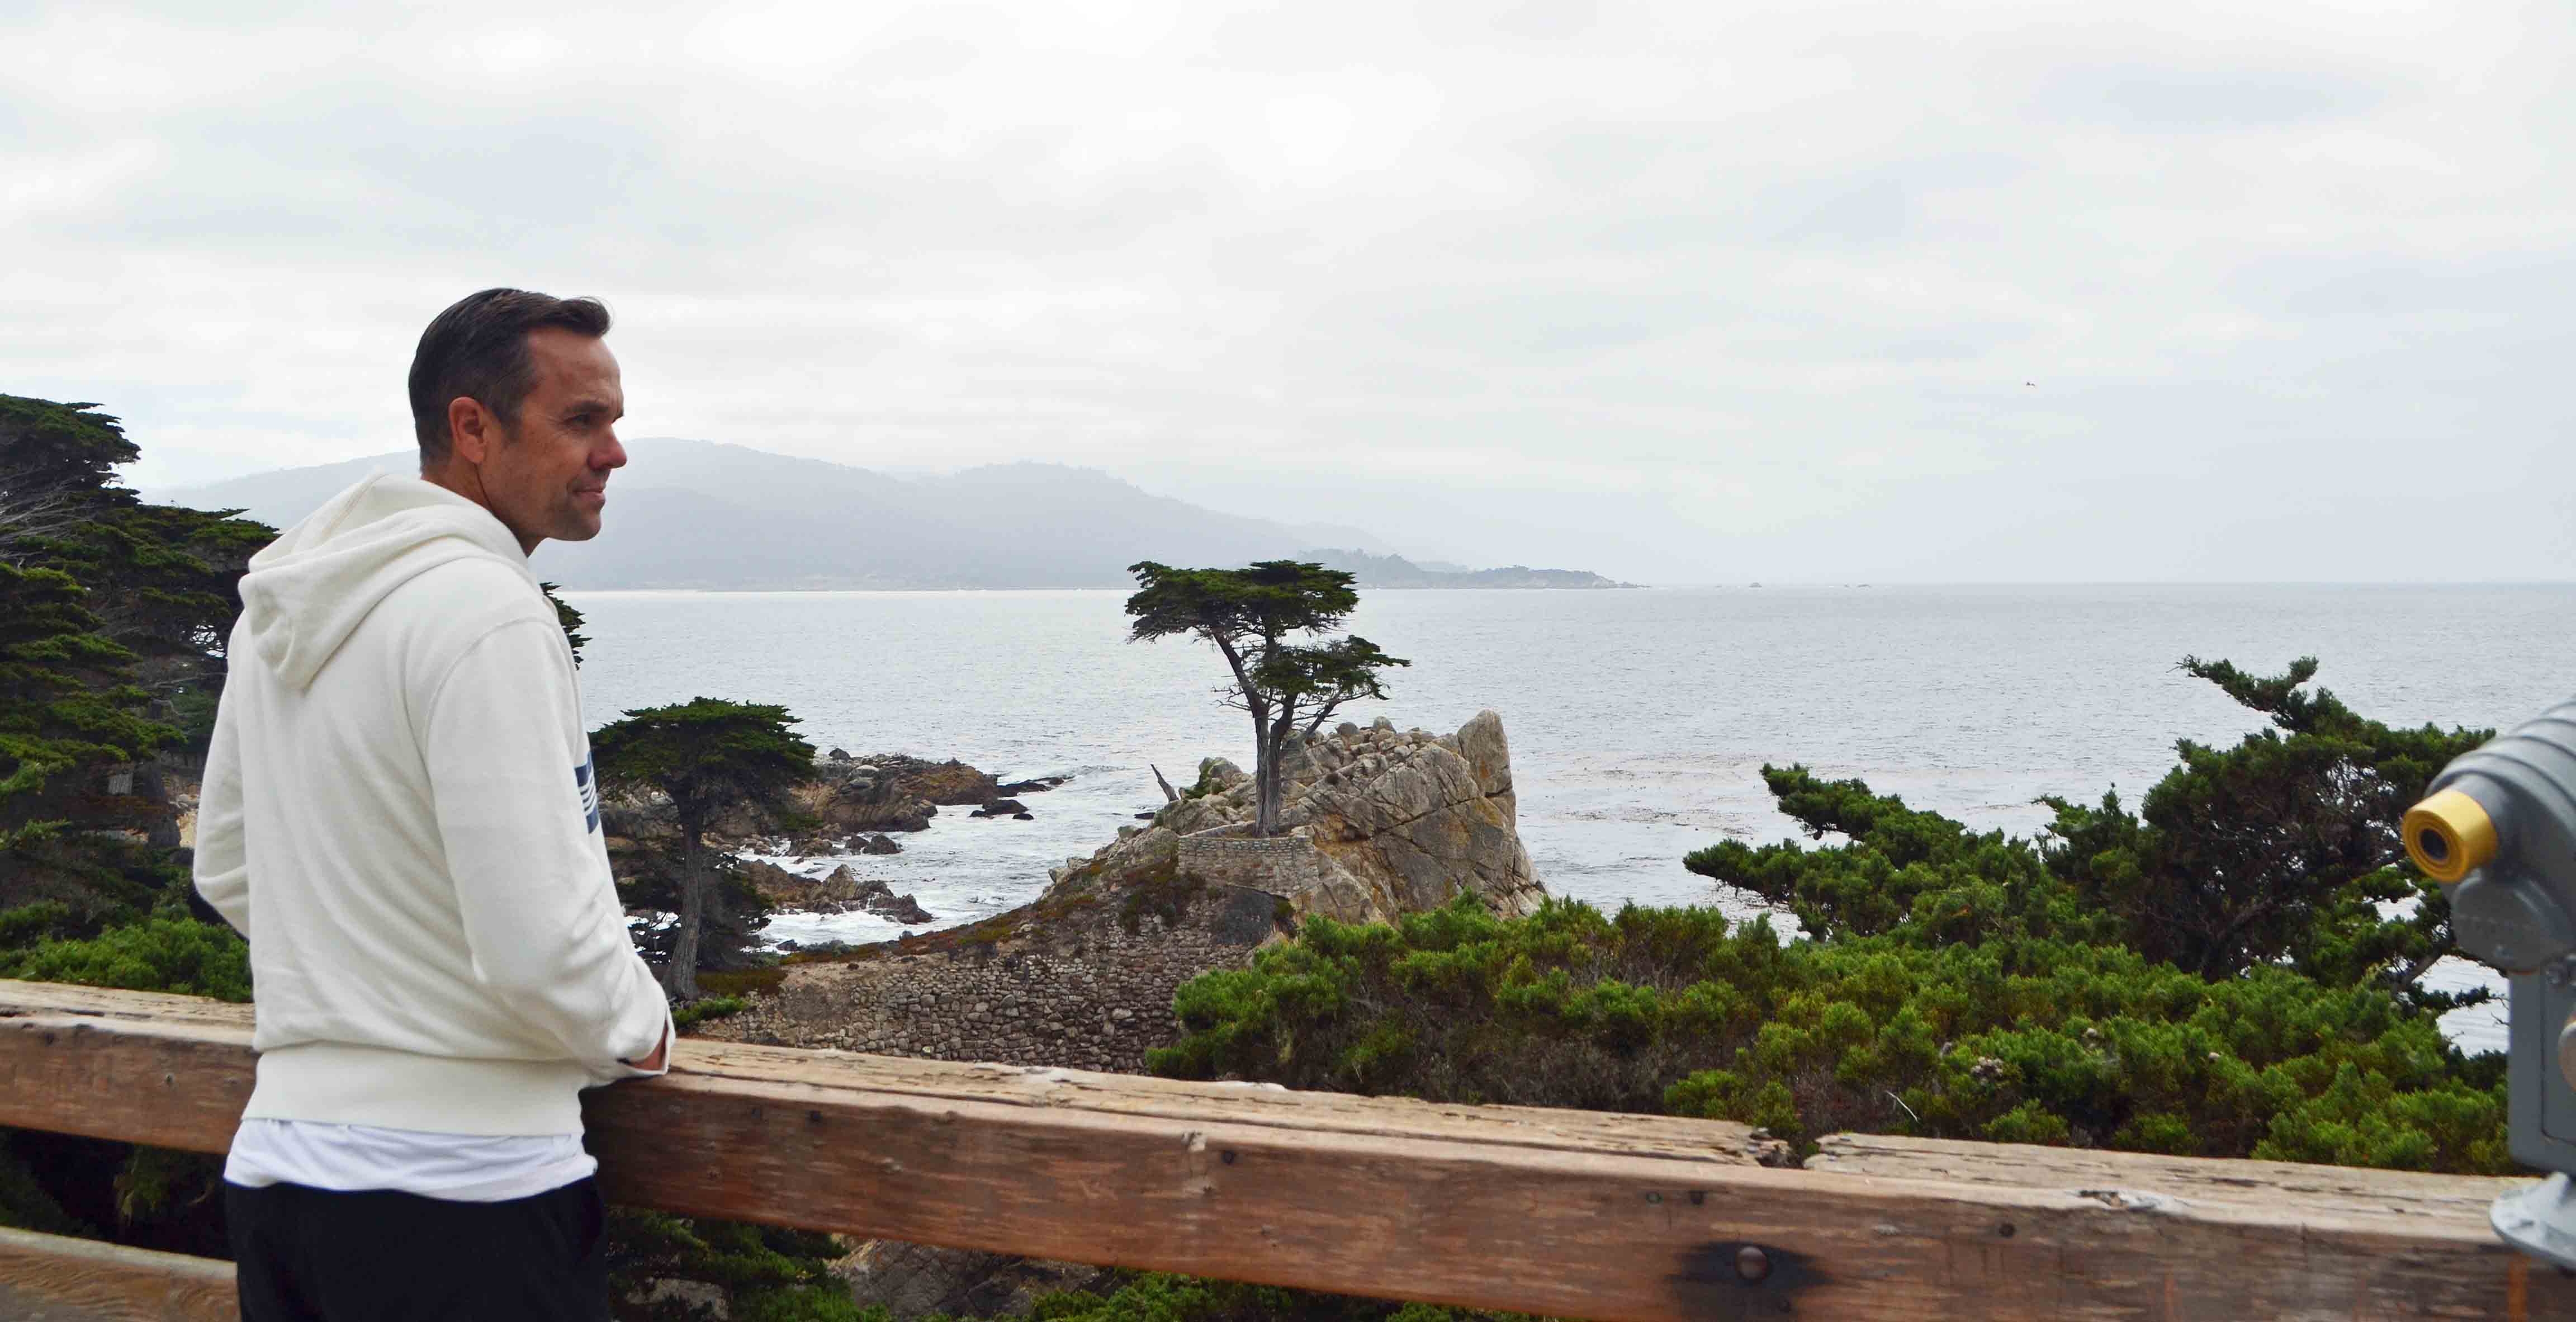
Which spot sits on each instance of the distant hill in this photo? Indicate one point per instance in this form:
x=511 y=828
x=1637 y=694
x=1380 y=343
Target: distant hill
x=1394 y=571
x=701 y=514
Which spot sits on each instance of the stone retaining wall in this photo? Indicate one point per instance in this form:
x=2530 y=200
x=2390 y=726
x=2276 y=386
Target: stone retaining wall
x=1283 y=865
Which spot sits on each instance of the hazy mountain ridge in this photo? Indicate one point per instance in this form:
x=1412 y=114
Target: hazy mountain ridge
x=691 y=514
x=1394 y=571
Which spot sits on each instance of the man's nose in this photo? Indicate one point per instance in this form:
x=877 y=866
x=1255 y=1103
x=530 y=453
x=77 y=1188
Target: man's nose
x=613 y=457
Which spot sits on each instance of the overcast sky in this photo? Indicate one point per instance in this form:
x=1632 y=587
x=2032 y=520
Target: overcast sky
x=1682 y=292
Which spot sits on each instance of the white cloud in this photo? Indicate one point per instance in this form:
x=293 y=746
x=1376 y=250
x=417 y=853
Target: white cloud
x=1678 y=291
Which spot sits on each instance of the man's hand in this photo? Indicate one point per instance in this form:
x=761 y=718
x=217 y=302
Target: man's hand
x=660 y=1057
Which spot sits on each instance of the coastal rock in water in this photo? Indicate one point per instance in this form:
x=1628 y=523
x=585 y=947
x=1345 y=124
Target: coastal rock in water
x=840 y=892
x=1002 y=808
x=853 y=797
x=878 y=844
x=783 y=889
x=1400 y=822
x=950 y=784
x=884 y=903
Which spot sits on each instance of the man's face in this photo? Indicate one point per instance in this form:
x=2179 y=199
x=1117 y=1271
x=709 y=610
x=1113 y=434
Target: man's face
x=548 y=475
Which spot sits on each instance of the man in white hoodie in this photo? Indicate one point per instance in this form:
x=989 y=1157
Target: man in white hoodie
x=399 y=813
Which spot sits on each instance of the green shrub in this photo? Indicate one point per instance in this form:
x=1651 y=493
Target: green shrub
x=1679 y=1011
x=707 y=1007
x=766 y=1272
x=157 y=954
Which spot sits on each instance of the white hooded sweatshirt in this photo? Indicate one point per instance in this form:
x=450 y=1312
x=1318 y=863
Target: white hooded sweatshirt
x=399 y=812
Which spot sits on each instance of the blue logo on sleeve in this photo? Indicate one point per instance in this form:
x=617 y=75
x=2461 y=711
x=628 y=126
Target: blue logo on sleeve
x=589 y=788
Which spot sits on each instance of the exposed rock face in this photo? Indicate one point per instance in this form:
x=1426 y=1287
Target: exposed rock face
x=841 y=892
x=950 y=784
x=1401 y=821
x=884 y=792
x=851 y=797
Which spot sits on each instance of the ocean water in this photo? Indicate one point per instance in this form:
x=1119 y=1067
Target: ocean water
x=1638 y=720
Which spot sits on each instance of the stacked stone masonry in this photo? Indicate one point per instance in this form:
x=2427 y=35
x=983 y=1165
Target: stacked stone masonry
x=1284 y=865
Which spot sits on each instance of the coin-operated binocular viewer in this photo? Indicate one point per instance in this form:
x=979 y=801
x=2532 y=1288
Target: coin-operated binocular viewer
x=2499 y=832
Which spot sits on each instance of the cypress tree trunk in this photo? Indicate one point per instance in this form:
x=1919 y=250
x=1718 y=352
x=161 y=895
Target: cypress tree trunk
x=154 y=788
x=681 y=975
x=1265 y=787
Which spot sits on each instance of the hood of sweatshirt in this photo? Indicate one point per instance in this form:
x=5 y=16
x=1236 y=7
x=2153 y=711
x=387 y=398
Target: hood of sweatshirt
x=308 y=590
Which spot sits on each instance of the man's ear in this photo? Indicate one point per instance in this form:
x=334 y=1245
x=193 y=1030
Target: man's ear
x=472 y=431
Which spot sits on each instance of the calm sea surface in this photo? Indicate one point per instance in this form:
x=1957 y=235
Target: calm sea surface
x=1638 y=719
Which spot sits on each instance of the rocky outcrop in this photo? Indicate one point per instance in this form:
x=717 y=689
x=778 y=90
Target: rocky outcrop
x=950 y=784
x=840 y=892
x=1397 y=822
x=849 y=797
x=849 y=805
x=873 y=794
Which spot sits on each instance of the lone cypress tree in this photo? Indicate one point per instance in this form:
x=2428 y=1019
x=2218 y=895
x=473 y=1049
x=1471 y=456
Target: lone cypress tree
x=711 y=757
x=1250 y=614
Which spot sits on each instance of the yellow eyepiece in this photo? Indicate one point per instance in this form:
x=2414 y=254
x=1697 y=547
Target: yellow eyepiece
x=2449 y=836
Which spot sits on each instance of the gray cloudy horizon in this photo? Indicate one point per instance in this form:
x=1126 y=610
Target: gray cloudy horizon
x=1856 y=291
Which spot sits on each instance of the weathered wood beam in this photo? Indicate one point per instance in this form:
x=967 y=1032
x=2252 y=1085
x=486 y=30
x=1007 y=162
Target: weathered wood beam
x=2321 y=1191
x=1560 y=1212
x=51 y=1278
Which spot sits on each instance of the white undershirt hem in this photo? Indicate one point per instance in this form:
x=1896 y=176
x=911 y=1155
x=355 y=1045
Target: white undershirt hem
x=462 y=1168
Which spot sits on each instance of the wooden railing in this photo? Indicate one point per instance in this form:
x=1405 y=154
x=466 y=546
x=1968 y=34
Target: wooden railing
x=1569 y=1213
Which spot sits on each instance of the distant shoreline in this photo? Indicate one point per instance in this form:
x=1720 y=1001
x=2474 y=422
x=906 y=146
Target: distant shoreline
x=1364 y=587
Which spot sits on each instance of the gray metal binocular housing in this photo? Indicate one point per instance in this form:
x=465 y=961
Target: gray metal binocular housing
x=2498 y=830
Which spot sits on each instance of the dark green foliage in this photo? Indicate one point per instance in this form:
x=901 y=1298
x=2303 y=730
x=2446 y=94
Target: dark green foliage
x=113 y=616
x=2030 y=1040
x=766 y=1272
x=711 y=757
x=54 y=460
x=171 y=954
x=2210 y=977
x=1250 y=616
x=570 y=619
x=161 y=580
x=2280 y=850
x=1905 y=869
x=68 y=709
x=707 y=1007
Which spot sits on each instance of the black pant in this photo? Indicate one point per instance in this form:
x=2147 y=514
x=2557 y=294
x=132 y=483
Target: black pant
x=314 y=1255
